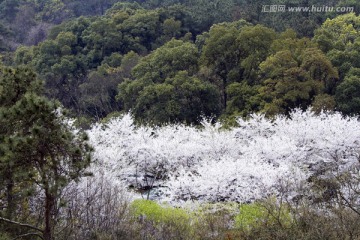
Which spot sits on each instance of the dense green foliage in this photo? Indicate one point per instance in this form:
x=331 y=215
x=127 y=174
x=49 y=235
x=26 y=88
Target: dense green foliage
x=28 y=21
x=233 y=69
x=69 y=59
x=173 y=61
x=164 y=88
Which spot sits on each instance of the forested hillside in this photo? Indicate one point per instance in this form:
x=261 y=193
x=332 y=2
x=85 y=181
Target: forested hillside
x=244 y=114
x=133 y=56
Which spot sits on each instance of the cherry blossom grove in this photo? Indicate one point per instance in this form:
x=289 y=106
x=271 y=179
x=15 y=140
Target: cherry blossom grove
x=209 y=163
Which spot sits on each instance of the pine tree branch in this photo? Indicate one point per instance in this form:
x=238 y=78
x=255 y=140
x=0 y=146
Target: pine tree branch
x=21 y=224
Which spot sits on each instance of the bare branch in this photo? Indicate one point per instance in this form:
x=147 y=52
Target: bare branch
x=29 y=234
x=349 y=205
x=21 y=224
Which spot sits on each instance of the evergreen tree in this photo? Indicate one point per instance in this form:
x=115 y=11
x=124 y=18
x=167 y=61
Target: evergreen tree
x=38 y=148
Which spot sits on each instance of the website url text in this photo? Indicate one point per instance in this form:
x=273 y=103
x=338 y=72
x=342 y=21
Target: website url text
x=284 y=8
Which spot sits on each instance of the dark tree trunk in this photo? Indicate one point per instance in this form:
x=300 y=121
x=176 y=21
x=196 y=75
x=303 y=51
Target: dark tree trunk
x=10 y=196
x=225 y=96
x=49 y=207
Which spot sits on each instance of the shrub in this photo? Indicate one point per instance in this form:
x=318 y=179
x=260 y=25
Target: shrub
x=162 y=222
x=263 y=214
x=250 y=215
x=152 y=211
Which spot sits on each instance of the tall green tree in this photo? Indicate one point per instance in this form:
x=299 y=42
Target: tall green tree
x=233 y=52
x=164 y=89
x=179 y=99
x=13 y=86
x=339 y=38
x=100 y=88
x=348 y=93
x=38 y=147
x=294 y=75
x=220 y=58
x=254 y=43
